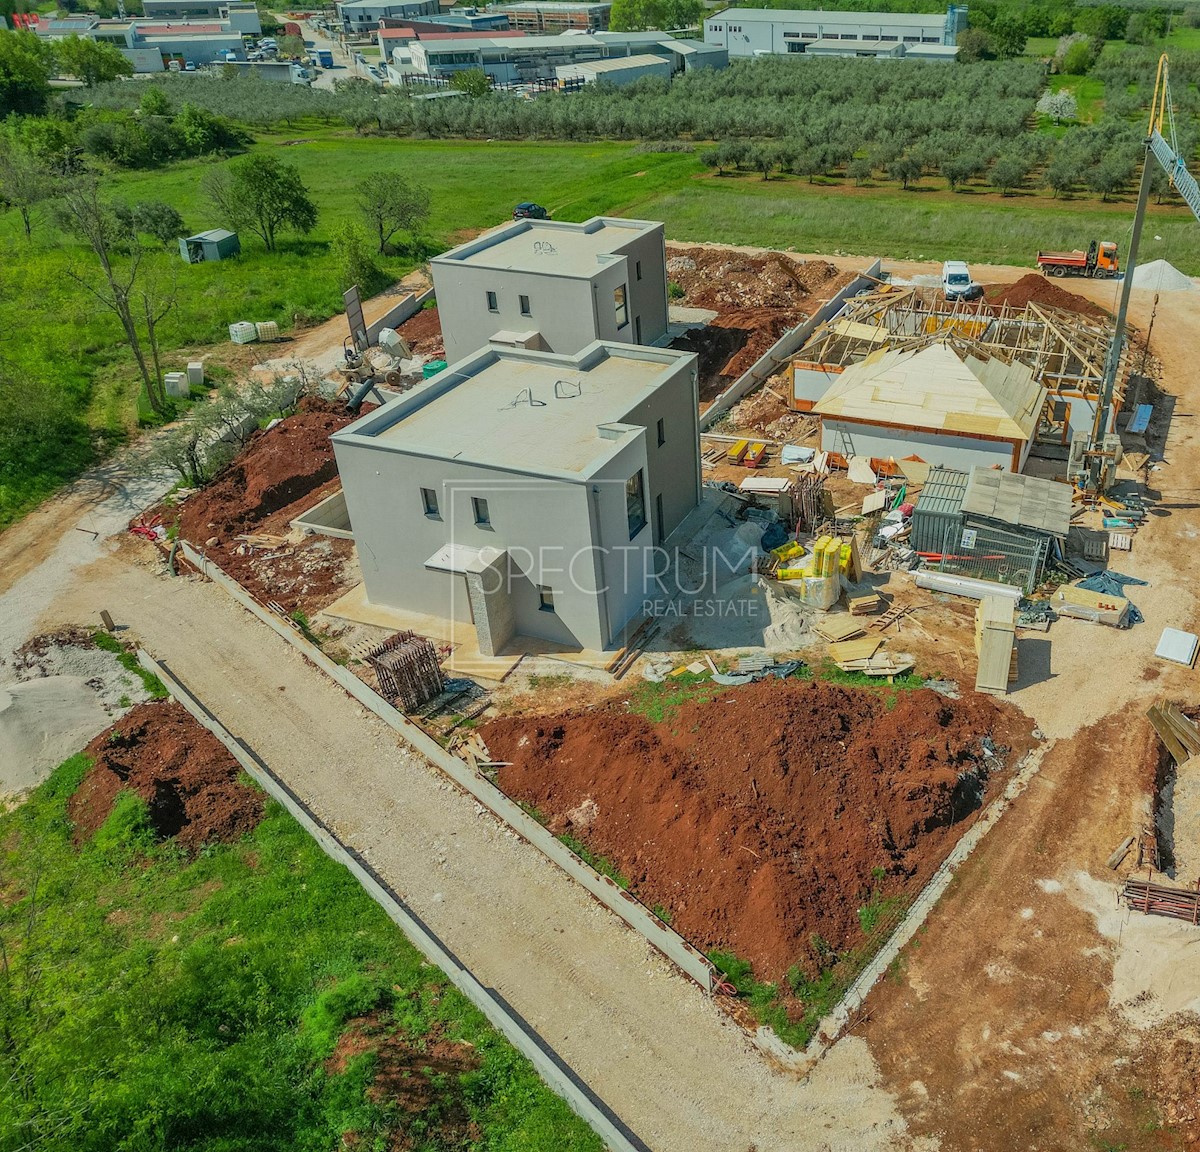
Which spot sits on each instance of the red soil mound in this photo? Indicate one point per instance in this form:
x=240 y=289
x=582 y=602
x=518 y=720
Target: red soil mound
x=1037 y=289
x=423 y=332
x=800 y=799
x=275 y=472
x=182 y=771
x=279 y=474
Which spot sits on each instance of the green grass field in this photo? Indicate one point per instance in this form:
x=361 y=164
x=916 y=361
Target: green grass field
x=52 y=333
x=149 y=1001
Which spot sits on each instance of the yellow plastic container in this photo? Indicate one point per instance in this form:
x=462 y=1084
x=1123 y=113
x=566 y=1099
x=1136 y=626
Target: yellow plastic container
x=788 y=551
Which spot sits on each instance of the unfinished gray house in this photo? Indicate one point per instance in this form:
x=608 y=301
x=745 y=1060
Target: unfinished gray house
x=524 y=492
x=554 y=286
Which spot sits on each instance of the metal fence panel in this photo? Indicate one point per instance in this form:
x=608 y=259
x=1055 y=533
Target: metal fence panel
x=989 y=553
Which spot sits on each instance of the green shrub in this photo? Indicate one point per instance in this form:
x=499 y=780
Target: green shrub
x=127 y=831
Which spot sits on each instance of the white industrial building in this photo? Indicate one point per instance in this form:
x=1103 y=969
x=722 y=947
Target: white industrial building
x=524 y=59
x=241 y=15
x=361 y=17
x=553 y=285
x=775 y=31
x=938 y=403
x=522 y=493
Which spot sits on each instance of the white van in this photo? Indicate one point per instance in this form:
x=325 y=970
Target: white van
x=956 y=279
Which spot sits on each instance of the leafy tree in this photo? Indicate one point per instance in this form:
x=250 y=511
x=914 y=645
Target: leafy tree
x=1104 y=21
x=906 y=169
x=860 y=169
x=1007 y=37
x=766 y=159
x=809 y=163
x=24 y=183
x=640 y=15
x=25 y=64
x=1007 y=174
x=1061 y=174
x=974 y=44
x=53 y=143
x=154 y=102
x=957 y=170
x=291 y=46
x=353 y=258
x=1059 y=106
x=263 y=195
x=92 y=61
x=128 y=290
x=1077 y=59
x=199 y=130
x=1106 y=177
x=390 y=202
x=472 y=81
x=153 y=218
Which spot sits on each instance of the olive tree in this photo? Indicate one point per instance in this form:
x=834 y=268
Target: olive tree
x=390 y=202
x=263 y=195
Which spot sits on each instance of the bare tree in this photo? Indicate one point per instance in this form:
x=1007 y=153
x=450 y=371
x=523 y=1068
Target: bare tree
x=129 y=289
x=24 y=183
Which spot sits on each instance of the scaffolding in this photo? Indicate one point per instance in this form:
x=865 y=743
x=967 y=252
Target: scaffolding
x=407 y=668
x=1065 y=350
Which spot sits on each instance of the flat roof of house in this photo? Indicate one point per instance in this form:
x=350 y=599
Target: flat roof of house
x=523 y=411
x=852 y=45
x=936 y=389
x=554 y=246
x=186 y=28
x=214 y=235
x=818 y=16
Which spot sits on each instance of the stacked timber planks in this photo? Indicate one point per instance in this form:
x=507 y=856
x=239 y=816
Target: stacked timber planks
x=1179 y=734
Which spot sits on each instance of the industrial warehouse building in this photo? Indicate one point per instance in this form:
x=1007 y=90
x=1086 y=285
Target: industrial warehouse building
x=526 y=59
x=939 y=403
x=522 y=493
x=617 y=72
x=556 y=16
x=772 y=31
x=361 y=17
x=554 y=286
x=241 y=15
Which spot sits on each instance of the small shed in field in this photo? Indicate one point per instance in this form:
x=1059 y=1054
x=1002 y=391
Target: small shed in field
x=215 y=244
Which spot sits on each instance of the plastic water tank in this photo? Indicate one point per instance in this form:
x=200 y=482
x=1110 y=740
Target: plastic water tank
x=267 y=330
x=243 y=332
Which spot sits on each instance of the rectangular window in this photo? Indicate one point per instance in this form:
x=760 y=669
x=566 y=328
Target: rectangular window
x=637 y=329
x=430 y=501
x=492 y=302
x=658 y=519
x=622 y=307
x=545 y=598
x=662 y=432
x=635 y=503
x=479 y=506
x=638 y=269
x=525 y=306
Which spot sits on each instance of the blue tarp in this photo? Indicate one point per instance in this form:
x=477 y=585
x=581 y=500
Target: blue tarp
x=1113 y=584
x=1141 y=418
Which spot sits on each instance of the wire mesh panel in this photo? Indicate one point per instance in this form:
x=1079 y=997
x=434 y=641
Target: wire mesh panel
x=988 y=553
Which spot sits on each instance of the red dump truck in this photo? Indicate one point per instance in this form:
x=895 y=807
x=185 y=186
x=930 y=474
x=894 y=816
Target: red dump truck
x=1100 y=260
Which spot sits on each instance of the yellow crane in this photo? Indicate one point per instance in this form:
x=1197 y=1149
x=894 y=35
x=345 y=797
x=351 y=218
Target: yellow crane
x=1094 y=469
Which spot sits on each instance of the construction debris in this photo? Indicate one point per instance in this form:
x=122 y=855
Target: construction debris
x=1160 y=900
x=1179 y=735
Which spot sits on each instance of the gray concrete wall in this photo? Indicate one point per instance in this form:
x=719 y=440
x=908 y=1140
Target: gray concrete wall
x=396 y=315
x=561 y=309
x=674 y=466
x=947 y=450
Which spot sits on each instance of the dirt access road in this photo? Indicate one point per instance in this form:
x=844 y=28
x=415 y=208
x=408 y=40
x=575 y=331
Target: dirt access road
x=975 y=1036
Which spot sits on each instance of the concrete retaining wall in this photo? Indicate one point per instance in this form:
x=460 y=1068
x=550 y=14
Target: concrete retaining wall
x=405 y=310
x=791 y=341
x=552 y=1070
x=640 y=919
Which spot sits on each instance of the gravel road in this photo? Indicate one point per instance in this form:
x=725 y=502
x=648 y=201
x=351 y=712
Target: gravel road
x=646 y=1040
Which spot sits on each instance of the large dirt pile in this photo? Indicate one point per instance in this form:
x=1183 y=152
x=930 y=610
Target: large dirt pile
x=279 y=474
x=768 y=816
x=424 y=333
x=723 y=280
x=1037 y=289
x=186 y=776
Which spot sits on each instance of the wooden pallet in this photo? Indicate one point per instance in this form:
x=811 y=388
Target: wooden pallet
x=1121 y=541
x=893 y=614
x=1179 y=734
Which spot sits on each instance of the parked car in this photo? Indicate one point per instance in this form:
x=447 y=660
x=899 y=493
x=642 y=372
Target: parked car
x=254 y=57
x=528 y=210
x=190 y=66
x=956 y=279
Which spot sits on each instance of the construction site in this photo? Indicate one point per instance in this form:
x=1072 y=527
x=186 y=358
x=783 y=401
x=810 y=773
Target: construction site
x=871 y=779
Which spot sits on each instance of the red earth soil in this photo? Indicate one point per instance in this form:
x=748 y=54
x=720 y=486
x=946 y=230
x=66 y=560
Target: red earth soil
x=800 y=799
x=423 y=333
x=279 y=474
x=1037 y=289
x=183 y=772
